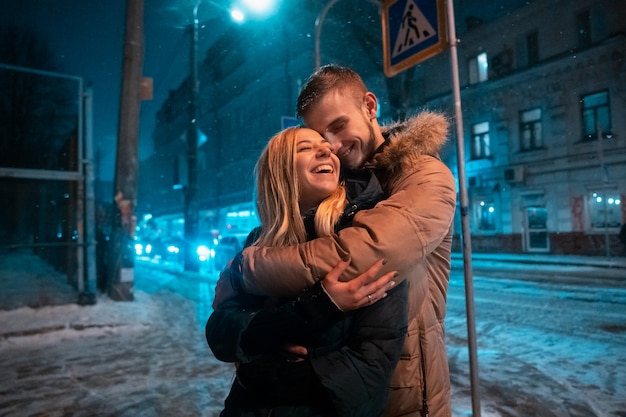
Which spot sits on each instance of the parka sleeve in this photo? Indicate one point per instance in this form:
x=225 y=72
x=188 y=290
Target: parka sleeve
x=404 y=229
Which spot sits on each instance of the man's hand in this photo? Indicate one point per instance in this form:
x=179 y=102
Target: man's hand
x=361 y=291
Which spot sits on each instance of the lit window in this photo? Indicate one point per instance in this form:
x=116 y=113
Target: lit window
x=530 y=130
x=480 y=140
x=485 y=212
x=605 y=209
x=538 y=239
x=478 y=68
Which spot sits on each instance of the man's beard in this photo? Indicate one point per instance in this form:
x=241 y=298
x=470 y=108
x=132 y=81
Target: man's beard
x=370 y=148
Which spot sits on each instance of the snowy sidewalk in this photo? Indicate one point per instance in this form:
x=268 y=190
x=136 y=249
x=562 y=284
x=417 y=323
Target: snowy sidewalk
x=27 y=280
x=142 y=358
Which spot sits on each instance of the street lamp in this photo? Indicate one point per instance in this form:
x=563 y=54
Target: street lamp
x=190 y=192
x=318 y=31
x=192 y=263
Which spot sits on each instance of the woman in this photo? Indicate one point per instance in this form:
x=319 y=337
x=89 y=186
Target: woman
x=347 y=358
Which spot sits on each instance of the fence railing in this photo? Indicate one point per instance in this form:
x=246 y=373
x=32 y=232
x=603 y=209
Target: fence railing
x=46 y=172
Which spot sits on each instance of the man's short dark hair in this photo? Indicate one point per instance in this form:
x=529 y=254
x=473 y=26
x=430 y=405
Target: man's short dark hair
x=326 y=79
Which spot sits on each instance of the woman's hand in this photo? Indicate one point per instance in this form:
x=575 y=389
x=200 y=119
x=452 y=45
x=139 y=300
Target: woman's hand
x=361 y=291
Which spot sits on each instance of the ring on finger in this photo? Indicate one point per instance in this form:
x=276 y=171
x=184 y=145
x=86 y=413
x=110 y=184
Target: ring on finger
x=369 y=297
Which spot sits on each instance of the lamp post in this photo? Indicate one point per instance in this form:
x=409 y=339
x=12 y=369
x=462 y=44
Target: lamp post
x=192 y=263
x=191 y=209
x=318 y=31
x=321 y=17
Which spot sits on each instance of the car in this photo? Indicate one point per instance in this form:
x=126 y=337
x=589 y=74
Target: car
x=165 y=248
x=205 y=247
x=226 y=249
x=142 y=247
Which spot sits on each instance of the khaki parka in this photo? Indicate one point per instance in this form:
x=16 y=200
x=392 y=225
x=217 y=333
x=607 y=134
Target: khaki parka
x=412 y=229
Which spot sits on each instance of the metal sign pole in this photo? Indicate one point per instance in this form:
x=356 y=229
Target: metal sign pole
x=90 y=210
x=465 y=236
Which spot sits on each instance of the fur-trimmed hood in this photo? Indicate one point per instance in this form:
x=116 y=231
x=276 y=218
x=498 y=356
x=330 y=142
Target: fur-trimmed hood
x=424 y=134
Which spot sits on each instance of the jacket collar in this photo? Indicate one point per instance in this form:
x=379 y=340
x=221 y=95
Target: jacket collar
x=424 y=134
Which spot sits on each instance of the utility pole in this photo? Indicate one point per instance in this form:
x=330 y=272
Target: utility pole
x=192 y=263
x=122 y=261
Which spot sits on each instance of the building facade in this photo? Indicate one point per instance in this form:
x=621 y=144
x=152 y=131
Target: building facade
x=543 y=96
x=543 y=91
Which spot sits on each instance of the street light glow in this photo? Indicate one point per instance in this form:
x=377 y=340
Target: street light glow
x=237 y=15
x=258 y=6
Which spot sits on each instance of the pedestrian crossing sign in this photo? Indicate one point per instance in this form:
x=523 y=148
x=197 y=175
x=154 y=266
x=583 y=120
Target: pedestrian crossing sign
x=413 y=31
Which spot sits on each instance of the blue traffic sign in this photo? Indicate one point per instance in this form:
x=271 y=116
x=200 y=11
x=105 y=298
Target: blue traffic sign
x=413 y=30
x=287 y=121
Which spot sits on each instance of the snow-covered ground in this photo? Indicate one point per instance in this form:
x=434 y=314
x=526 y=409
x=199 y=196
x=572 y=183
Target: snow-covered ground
x=149 y=358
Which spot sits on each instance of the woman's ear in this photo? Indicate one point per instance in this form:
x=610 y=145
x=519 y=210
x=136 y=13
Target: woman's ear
x=371 y=104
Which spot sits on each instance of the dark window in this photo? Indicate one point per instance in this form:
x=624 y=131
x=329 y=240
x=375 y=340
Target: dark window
x=502 y=63
x=532 y=48
x=583 y=22
x=596 y=116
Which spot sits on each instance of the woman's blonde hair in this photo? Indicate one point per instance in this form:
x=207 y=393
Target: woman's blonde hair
x=278 y=195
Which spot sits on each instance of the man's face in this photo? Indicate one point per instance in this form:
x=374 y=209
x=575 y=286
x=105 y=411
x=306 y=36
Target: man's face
x=317 y=169
x=346 y=125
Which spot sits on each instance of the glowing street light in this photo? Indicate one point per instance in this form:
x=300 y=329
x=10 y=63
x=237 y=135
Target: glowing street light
x=192 y=212
x=259 y=6
x=237 y=15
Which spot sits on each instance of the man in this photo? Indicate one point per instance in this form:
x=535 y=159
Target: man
x=411 y=229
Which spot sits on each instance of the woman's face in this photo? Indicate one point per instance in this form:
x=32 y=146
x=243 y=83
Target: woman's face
x=317 y=168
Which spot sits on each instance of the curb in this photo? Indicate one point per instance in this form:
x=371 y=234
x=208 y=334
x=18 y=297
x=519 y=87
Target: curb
x=571 y=260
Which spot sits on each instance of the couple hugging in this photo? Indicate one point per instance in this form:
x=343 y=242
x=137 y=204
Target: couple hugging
x=336 y=306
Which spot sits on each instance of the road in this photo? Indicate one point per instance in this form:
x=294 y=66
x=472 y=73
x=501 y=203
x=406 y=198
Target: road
x=551 y=339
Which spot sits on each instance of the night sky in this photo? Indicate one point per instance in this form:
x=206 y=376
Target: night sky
x=87 y=39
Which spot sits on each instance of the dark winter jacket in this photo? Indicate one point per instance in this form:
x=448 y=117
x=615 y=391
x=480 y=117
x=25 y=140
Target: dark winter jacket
x=351 y=355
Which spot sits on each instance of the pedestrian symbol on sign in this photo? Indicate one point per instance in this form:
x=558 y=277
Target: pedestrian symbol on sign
x=414 y=29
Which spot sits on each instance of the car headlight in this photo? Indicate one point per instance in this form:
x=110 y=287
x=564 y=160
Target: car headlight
x=205 y=253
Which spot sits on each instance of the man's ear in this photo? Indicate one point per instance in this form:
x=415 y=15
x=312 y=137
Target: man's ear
x=371 y=104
